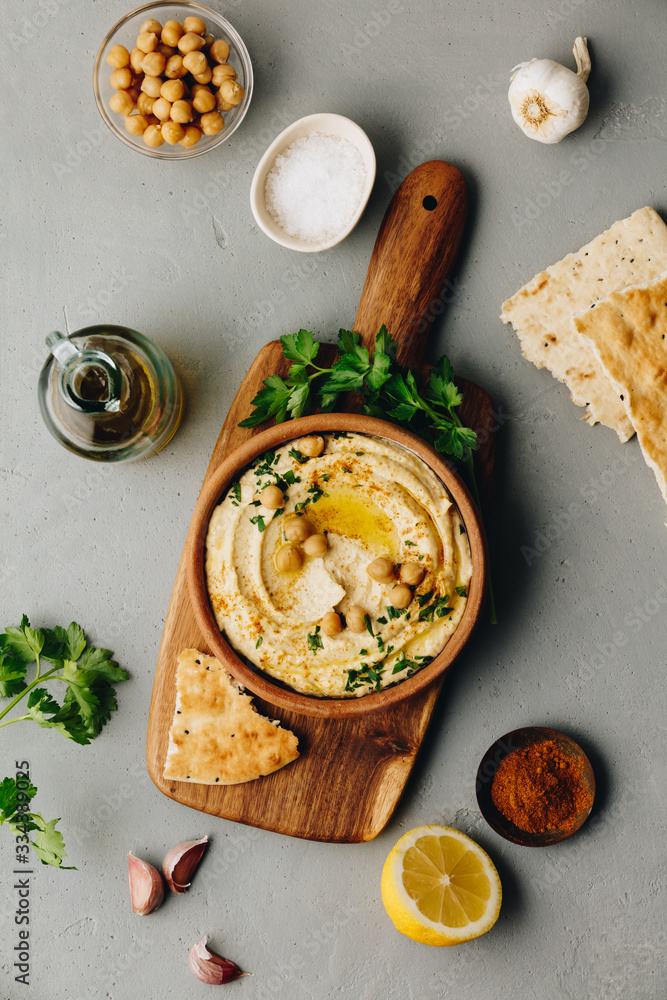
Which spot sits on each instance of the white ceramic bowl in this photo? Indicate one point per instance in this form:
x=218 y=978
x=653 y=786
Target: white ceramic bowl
x=329 y=125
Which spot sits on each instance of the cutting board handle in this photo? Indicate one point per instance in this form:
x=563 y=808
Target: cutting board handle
x=406 y=285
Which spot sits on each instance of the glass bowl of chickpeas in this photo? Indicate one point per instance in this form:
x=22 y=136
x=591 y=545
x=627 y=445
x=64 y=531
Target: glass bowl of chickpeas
x=173 y=80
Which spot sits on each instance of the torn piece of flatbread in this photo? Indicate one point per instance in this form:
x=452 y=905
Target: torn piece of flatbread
x=217 y=737
x=628 y=334
x=633 y=250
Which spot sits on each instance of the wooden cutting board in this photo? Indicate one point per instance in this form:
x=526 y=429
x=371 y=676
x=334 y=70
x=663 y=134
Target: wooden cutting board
x=351 y=773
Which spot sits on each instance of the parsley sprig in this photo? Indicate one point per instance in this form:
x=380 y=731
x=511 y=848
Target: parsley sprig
x=88 y=674
x=47 y=842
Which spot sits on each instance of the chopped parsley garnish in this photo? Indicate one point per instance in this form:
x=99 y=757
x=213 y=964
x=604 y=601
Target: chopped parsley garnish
x=369 y=627
x=425 y=598
x=259 y=521
x=410 y=543
x=393 y=612
x=315 y=640
x=439 y=609
x=462 y=591
x=316 y=494
x=412 y=666
x=298 y=457
x=235 y=493
x=259 y=642
x=359 y=453
x=363 y=652
x=345 y=469
x=340 y=434
x=382 y=621
x=368 y=673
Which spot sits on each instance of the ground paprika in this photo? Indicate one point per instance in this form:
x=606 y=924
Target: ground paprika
x=540 y=788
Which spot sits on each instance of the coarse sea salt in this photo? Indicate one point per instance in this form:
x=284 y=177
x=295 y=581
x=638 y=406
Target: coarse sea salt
x=315 y=187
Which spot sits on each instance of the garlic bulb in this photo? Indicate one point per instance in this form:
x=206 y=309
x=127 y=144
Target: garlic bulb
x=548 y=101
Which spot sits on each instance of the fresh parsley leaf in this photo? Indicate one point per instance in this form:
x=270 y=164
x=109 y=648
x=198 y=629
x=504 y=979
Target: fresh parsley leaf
x=259 y=642
x=48 y=843
x=271 y=401
x=26 y=642
x=259 y=521
x=298 y=400
x=300 y=347
x=12 y=671
x=462 y=591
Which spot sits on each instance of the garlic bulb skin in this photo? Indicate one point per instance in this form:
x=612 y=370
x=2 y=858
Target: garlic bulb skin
x=549 y=101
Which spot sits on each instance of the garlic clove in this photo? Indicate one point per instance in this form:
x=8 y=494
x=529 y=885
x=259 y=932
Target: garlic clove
x=146 y=886
x=548 y=101
x=181 y=862
x=210 y=968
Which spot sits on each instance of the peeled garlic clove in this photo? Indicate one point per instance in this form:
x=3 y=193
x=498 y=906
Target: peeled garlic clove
x=210 y=968
x=146 y=886
x=181 y=862
x=549 y=101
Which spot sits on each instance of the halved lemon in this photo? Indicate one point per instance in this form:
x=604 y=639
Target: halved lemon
x=439 y=887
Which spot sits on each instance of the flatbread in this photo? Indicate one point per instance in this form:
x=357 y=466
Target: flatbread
x=633 y=250
x=628 y=334
x=217 y=737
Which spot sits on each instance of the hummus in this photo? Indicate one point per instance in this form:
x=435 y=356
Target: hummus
x=371 y=498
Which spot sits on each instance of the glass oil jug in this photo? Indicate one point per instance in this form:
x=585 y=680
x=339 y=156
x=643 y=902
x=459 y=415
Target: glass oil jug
x=109 y=394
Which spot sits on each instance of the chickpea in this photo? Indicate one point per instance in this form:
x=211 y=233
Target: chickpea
x=172 y=31
x=203 y=100
x=151 y=85
x=356 y=619
x=153 y=136
x=195 y=62
x=316 y=545
x=219 y=51
x=167 y=50
x=194 y=24
x=145 y=104
x=161 y=109
x=172 y=132
x=231 y=91
x=412 y=574
x=220 y=73
x=147 y=41
x=136 y=59
x=288 y=559
x=191 y=137
x=331 y=624
x=400 y=596
x=136 y=124
x=222 y=105
x=118 y=56
x=172 y=90
x=272 y=497
x=153 y=64
x=151 y=25
x=133 y=93
x=381 y=569
x=311 y=446
x=189 y=42
x=208 y=39
x=175 y=69
x=204 y=77
x=121 y=103
x=298 y=529
x=212 y=123
x=181 y=111
x=121 y=79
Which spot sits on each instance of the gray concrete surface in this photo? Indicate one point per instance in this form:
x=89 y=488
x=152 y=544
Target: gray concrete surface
x=167 y=248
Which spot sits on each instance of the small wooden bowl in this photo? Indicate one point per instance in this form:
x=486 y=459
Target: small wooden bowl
x=519 y=739
x=261 y=684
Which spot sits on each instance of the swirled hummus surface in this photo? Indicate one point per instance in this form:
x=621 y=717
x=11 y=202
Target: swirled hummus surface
x=371 y=498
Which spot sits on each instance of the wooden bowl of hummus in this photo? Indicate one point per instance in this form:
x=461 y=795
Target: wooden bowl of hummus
x=283 y=595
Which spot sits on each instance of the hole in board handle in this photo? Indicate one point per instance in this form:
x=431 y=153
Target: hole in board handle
x=429 y=203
